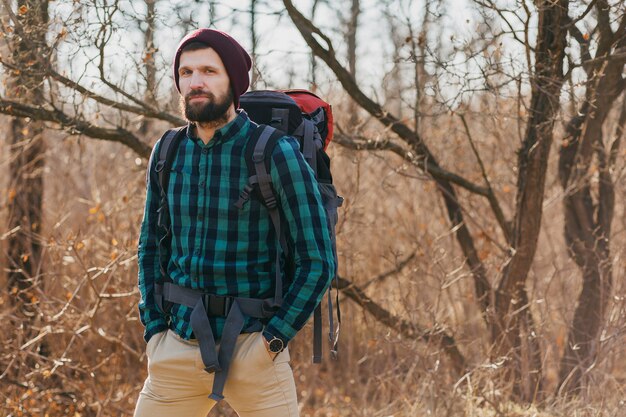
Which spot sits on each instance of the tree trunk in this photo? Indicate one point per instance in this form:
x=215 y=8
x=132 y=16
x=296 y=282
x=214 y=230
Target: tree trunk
x=351 y=40
x=149 y=61
x=254 y=41
x=513 y=332
x=588 y=219
x=27 y=150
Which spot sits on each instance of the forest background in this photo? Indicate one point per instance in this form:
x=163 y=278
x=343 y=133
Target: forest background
x=479 y=148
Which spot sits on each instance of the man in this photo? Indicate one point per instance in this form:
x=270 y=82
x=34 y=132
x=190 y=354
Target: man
x=223 y=256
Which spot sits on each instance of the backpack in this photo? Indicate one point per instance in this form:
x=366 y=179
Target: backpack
x=297 y=113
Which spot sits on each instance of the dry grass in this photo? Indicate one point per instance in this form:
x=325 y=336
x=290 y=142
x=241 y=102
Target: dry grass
x=94 y=362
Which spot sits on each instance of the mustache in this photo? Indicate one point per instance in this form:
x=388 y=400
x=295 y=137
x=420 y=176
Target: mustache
x=198 y=93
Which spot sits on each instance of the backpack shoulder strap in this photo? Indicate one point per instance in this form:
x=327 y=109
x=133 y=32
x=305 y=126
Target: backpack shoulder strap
x=169 y=144
x=258 y=157
x=261 y=146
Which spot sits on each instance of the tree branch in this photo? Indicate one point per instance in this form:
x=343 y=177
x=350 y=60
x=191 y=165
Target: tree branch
x=407 y=329
x=381 y=277
x=619 y=133
x=143 y=111
x=491 y=196
x=387 y=145
x=585 y=55
x=75 y=126
x=604 y=21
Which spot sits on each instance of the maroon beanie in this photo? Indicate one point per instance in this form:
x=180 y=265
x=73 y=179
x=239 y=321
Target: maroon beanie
x=236 y=60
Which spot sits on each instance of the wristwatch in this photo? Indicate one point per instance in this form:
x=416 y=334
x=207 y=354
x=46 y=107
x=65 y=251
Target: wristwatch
x=275 y=345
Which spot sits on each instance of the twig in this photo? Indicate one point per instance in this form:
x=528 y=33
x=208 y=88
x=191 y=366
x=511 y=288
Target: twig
x=381 y=277
x=491 y=196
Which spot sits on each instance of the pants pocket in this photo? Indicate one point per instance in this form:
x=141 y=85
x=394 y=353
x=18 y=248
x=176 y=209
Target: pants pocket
x=153 y=343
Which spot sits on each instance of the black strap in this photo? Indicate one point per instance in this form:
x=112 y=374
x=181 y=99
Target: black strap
x=168 y=146
x=317 y=334
x=265 y=142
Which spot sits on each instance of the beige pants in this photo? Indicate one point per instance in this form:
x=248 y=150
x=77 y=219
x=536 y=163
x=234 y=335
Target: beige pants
x=178 y=386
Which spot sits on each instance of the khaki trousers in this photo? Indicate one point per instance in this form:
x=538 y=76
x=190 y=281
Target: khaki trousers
x=178 y=386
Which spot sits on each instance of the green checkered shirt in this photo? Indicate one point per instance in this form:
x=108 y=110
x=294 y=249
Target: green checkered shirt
x=223 y=250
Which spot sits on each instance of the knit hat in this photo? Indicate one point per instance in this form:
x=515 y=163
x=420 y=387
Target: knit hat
x=236 y=60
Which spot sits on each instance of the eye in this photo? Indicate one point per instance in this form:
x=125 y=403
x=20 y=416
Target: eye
x=183 y=72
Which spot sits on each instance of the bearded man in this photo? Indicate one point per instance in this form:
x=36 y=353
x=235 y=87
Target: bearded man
x=212 y=342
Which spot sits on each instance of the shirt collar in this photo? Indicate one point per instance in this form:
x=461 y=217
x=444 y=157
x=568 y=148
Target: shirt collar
x=226 y=132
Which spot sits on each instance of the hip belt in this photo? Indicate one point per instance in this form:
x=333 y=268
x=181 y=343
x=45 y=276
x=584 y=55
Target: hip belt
x=203 y=305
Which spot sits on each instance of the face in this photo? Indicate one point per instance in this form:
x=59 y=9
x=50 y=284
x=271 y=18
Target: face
x=205 y=90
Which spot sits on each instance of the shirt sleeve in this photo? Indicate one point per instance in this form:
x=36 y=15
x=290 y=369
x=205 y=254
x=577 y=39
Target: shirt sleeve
x=307 y=235
x=148 y=254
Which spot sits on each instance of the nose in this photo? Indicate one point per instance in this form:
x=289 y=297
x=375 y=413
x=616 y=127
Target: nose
x=196 y=80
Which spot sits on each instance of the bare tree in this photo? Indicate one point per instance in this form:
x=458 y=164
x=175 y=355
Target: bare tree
x=78 y=118
x=590 y=193
x=513 y=320
x=254 y=41
x=351 y=38
x=504 y=307
x=149 y=58
x=313 y=65
x=27 y=42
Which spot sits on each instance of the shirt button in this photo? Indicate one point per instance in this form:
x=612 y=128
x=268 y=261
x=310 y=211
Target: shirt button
x=201 y=183
x=200 y=217
x=197 y=251
x=205 y=151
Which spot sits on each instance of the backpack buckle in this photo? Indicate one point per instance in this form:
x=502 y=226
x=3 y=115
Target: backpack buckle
x=159 y=165
x=217 y=305
x=270 y=202
x=244 y=196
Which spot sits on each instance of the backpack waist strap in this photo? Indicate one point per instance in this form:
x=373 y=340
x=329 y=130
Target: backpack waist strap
x=218 y=305
x=206 y=305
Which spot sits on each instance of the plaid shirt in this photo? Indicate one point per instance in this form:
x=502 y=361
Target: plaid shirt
x=223 y=250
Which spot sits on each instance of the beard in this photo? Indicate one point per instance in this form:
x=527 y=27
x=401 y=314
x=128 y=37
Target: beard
x=213 y=111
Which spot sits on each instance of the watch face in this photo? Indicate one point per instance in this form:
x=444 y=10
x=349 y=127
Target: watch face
x=276 y=345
